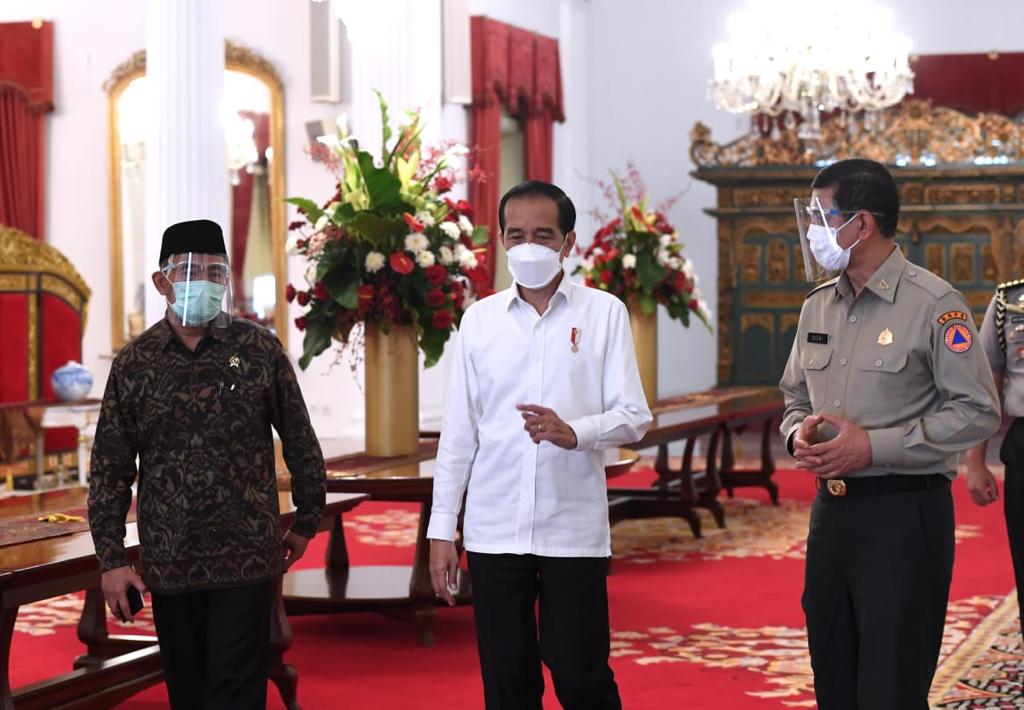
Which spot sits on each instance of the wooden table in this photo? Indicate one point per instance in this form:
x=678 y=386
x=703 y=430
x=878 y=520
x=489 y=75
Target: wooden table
x=402 y=592
x=679 y=492
x=114 y=667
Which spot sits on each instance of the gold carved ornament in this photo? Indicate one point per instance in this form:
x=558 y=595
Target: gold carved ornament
x=911 y=131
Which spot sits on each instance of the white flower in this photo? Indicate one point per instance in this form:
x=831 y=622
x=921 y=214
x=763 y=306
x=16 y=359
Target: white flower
x=667 y=239
x=311 y=274
x=695 y=281
x=342 y=123
x=675 y=263
x=447 y=257
x=465 y=257
x=664 y=255
x=465 y=224
x=688 y=269
x=416 y=242
x=292 y=245
x=703 y=310
x=629 y=261
x=425 y=259
x=450 y=229
x=598 y=251
x=375 y=262
x=425 y=218
x=331 y=142
x=321 y=223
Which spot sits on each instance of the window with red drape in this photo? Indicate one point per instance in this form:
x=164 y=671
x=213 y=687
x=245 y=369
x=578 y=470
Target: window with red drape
x=518 y=71
x=26 y=94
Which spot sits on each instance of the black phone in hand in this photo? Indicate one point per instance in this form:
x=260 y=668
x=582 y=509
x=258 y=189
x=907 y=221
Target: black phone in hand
x=135 y=602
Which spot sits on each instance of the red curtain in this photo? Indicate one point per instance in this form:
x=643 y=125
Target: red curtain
x=26 y=94
x=21 y=164
x=518 y=70
x=971 y=83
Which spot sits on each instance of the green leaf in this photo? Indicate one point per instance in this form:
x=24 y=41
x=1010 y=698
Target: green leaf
x=432 y=343
x=342 y=283
x=376 y=229
x=648 y=305
x=481 y=235
x=318 y=338
x=312 y=209
x=385 y=128
x=648 y=272
x=383 y=187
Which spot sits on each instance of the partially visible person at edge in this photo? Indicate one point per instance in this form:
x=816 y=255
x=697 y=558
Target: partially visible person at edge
x=194 y=399
x=1002 y=336
x=544 y=378
x=883 y=388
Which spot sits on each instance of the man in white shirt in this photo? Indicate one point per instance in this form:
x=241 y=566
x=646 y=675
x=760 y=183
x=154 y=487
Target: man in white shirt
x=544 y=379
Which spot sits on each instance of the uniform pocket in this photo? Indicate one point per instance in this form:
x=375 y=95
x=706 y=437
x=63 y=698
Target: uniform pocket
x=814 y=362
x=881 y=380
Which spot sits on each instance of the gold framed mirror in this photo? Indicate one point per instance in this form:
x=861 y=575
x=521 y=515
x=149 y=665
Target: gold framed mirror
x=254 y=123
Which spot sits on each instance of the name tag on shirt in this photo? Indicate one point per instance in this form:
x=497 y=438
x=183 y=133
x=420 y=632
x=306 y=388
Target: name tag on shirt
x=818 y=338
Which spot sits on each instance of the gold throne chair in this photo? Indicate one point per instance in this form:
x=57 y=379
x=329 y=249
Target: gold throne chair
x=43 y=306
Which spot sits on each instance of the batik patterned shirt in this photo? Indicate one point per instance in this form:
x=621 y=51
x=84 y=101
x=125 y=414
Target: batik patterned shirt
x=199 y=424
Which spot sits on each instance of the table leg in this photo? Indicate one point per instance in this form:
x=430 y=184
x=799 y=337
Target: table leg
x=687 y=492
x=92 y=628
x=284 y=676
x=337 y=551
x=421 y=591
x=7 y=618
x=767 y=460
x=709 y=494
x=40 y=459
x=728 y=459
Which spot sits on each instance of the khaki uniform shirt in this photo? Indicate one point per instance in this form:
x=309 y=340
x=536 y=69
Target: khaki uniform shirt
x=898 y=359
x=1006 y=354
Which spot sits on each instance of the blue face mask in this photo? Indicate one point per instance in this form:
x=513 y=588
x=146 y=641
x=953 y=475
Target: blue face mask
x=203 y=299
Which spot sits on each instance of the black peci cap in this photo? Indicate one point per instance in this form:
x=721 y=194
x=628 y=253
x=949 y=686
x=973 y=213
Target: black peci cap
x=202 y=236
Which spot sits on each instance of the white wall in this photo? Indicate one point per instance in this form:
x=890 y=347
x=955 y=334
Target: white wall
x=635 y=76
x=650 y=61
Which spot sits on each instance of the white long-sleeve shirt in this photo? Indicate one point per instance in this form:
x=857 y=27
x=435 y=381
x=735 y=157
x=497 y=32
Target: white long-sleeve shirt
x=526 y=498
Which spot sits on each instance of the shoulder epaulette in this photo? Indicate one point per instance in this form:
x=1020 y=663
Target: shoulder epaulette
x=1000 y=314
x=826 y=284
x=1010 y=284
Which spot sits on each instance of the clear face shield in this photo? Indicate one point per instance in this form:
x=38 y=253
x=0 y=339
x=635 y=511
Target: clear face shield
x=202 y=290
x=824 y=257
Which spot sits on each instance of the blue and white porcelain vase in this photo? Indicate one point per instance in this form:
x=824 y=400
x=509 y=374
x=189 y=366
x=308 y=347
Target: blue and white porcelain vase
x=72 y=382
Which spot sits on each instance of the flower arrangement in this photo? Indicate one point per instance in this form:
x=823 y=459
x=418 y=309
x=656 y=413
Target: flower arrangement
x=389 y=248
x=638 y=257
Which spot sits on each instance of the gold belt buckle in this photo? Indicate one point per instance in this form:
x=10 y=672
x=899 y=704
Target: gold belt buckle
x=836 y=487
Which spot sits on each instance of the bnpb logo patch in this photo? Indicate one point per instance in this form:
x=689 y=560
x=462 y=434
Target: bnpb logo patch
x=958 y=338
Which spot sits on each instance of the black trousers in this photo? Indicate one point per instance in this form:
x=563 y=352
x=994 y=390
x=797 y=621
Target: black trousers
x=214 y=645
x=1012 y=454
x=875 y=595
x=571 y=595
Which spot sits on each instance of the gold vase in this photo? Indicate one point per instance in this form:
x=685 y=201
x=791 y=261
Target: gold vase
x=645 y=342
x=392 y=392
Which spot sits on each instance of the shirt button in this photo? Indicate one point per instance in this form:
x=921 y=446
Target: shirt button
x=878 y=363
x=853 y=319
x=837 y=403
x=911 y=273
x=843 y=362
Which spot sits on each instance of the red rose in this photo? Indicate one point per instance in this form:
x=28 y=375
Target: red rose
x=443 y=320
x=401 y=262
x=301 y=322
x=442 y=184
x=365 y=292
x=682 y=282
x=414 y=224
x=289 y=293
x=436 y=297
x=320 y=292
x=436 y=273
x=606 y=276
x=303 y=297
x=588 y=281
x=692 y=304
x=612 y=253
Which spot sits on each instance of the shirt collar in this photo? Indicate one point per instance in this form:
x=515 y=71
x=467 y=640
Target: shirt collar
x=883 y=282
x=564 y=288
x=165 y=334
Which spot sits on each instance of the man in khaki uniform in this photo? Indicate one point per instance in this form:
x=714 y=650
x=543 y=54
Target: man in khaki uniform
x=1002 y=335
x=884 y=386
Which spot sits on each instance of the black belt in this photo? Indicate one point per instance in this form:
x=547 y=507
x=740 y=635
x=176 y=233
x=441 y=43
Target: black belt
x=879 y=485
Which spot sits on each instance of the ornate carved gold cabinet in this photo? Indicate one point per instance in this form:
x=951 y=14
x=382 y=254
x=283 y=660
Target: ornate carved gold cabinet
x=961 y=183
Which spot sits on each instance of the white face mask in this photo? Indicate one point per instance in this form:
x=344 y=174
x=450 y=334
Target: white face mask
x=824 y=242
x=534 y=266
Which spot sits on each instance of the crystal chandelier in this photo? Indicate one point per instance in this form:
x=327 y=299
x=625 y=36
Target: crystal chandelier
x=809 y=57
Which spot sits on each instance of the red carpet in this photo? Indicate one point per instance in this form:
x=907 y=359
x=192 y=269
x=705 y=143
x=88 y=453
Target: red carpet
x=713 y=624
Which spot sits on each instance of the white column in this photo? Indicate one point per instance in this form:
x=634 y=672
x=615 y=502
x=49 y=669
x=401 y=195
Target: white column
x=186 y=152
